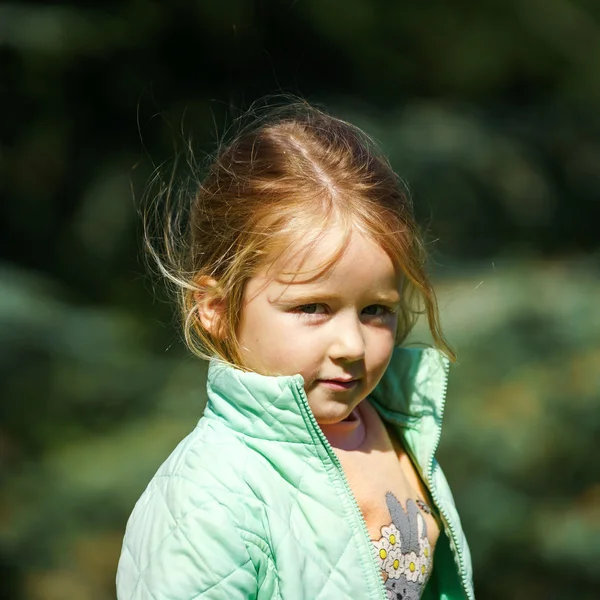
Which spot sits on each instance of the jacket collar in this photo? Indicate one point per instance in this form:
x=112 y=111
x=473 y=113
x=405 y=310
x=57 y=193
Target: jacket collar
x=410 y=395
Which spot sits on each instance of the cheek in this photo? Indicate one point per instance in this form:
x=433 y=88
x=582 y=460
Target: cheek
x=251 y=336
x=382 y=346
x=269 y=341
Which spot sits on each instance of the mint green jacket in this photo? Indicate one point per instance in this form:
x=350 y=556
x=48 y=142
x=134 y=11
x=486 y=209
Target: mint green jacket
x=254 y=503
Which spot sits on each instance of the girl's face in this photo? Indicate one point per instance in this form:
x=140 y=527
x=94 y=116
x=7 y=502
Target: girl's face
x=337 y=330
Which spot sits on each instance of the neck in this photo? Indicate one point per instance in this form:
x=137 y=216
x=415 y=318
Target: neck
x=348 y=434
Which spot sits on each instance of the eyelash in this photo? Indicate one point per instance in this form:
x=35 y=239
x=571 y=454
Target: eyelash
x=300 y=310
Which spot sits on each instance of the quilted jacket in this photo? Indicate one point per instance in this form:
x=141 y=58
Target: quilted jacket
x=254 y=503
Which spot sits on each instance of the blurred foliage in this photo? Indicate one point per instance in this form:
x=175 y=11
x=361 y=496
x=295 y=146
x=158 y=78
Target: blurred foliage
x=522 y=421
x=488 y=109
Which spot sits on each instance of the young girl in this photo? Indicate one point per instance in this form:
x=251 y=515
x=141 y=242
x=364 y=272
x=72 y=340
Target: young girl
x=312 y=474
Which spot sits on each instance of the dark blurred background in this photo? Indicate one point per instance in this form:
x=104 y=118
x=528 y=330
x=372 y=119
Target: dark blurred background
x=489 y=110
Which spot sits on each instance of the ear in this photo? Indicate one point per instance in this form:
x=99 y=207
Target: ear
x=210 y=305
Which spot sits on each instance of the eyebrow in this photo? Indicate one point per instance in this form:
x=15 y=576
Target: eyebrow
x=316 y=298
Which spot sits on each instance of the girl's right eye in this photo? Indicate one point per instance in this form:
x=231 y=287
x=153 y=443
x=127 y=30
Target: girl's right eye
x=311 y=309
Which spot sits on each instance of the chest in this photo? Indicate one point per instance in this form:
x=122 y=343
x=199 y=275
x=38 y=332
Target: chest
x=396 y=509
x=374 y=476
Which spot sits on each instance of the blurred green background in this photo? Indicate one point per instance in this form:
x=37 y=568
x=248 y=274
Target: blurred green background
x=490 y=110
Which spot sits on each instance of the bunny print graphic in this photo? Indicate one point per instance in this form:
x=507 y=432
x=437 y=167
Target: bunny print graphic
x=403 y=550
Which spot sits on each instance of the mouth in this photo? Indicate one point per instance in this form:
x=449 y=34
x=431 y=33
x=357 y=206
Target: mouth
x=339 y=384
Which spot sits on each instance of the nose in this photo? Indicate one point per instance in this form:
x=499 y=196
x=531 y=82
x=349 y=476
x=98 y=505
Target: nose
x=348 y=340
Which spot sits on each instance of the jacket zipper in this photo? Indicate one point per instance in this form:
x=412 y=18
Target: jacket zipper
x=338 y=465
x=463 y=575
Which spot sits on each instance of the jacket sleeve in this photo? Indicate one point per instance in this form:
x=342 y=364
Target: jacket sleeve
x=181 y=544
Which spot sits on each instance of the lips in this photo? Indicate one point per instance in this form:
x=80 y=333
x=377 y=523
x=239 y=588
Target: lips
x=339 y=383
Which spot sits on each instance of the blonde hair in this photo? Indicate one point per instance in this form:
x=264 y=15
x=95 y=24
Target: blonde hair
x=293 y=170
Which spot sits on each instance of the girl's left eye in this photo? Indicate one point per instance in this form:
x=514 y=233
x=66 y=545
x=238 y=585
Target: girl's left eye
x=376 y=310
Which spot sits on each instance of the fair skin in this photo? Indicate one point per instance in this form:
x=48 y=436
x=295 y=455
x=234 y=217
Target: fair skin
x=337 y=329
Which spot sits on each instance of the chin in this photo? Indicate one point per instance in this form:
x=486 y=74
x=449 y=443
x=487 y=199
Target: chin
x=328 y=420
x=331 y=417
x=329 y=409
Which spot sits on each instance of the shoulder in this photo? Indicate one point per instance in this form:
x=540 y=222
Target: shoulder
x=188 y=521
x=206 y=468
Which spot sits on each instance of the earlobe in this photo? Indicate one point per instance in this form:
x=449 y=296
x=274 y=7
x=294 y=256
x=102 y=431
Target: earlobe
x=210 y=305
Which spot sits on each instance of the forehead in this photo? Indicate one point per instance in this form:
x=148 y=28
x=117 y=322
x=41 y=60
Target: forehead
x=331 y=257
